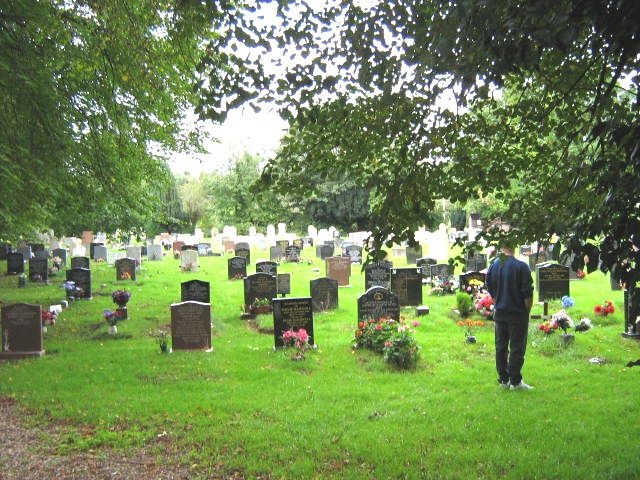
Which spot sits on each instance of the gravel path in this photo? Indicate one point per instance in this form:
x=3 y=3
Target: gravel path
x=25 y=456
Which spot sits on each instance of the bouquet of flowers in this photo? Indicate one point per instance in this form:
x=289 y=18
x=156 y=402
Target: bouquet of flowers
x=48 y=318
x=468 y=325
x=73 y=291
x=443 y=286
x=548 y=327
x=484 y=305
x=121 y=297
x=298 y=340
x=112 y=317
x=562 y=320
x=605 y=309
x=583 y=325
x=567 y=302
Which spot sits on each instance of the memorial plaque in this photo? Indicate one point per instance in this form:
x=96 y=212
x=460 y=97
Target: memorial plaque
x=552 y=281
x=377 y=303
x=275 y=253
x=125 y=269
x=267 y=267
x=324 y=294
x=292 y=314
x=38 y=270
x=80 y=262
x=15 y=263
x=412 y=254
x=324 y=251
x=259 y=286
x=195 y=291
x=354 y=252
x=406 y=283
x=100 y=253
x=292 y=253
x=154 y=253
x=191 y=326
x=378 y=274
x=283 y=283
x=61 y=253
x=189 y=260
x=236 y=268
x=21 y=331
x=338 y=268
x=82 y=278
x=243 y=250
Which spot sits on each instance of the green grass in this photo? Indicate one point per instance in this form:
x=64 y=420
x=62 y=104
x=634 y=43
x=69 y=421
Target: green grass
x=339 y=414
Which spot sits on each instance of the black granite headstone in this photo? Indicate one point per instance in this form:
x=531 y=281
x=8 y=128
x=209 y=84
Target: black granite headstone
x=82 y=278
x=38 y=270
x=552 y=281
x=324 y=294
x=80 y=262
x=191 y=326
x=292 y=314
x=406 y=283
x=377 y=303
x=378 y=274
x=21 y=331
x=267 y=267
x=15 y=263
x=195 y=291
x=259 y=286
x=236 y=268
x=125 y=269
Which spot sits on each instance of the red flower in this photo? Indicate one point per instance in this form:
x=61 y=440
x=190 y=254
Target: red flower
x=598 y=309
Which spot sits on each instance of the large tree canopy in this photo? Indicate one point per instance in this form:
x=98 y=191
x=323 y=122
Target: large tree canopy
x=533 y=104
x=90 y=90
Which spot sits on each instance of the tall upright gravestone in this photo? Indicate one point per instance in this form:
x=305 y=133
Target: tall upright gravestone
x=378 y=274
x=324 y=294
x=552 y=281
x=15 y=263
x=125 y=269
x=236 y=268
x=339 y=268
x=292 y=314
x=38 y=269
x=195 y=291
x=80 y=262
x=191 y=326
x=377 y=303
x=21 y=331
x=406 y=283
x=82 y=279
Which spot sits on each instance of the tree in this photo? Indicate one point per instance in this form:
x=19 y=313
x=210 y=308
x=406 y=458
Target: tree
x=194 y=201
x=539 y=109
x=89 y=91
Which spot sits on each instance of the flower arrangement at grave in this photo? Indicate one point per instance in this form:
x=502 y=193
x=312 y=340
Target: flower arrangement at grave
x=475 y=287
x=559 y=320
x=484 y=305
x=580 y=274
x=55 y=265
x=112 y=317
x=605 y=309
x=443 y=286
x=583 y=325
x=393 y=339
x=48 y=318
x=72 y=290
x=298 y=341
x=121 y=298
x=567 y=302
x=124 y=276
x=259 y=305
x=468 y=325
x=162 y=337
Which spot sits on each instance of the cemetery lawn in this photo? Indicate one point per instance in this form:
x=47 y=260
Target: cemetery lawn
x=247 y=411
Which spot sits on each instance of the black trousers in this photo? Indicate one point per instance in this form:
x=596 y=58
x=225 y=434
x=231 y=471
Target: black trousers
x=511 y=344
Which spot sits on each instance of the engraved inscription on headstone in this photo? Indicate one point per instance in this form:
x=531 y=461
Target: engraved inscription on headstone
x=378 y=274
x=552 y=281
x=283 y=283
x=259 y=286
x=267 y=267
x=338 y=268
x=236 y=268
x=191 y=326
x=195 y=291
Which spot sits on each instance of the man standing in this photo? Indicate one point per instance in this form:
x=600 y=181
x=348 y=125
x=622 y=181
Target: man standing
x=510 y=284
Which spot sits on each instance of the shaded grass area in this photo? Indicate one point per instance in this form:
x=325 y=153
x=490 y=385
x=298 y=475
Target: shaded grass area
x=339 y=414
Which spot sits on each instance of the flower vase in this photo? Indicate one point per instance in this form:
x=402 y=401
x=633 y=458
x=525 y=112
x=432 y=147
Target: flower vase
x=113 y=329
x=44 y=329
x=567 y=339
x=471 y=339
x=297 y=357
x=164 y=348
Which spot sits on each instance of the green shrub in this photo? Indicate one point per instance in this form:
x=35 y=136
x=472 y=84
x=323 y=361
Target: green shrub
x=464 y=303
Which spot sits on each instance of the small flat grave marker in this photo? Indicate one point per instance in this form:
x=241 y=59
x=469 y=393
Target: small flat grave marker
x=191 y=326
x=292 y=314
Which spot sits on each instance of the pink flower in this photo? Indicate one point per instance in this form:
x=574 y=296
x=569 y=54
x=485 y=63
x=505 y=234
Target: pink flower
x=302 y=335
x=415 y=323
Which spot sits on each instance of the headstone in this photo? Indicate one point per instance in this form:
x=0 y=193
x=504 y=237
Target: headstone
x=191 y=326
x=38 y=250
x=41 y=254
x=283 y=244
x=283 y=283
x=61 y=253
x=5 y=248
x=21 y=331
x=424 y=265
x=536 y=258
x=275 y=253
x=204 y=249
x=38 y=270
x=189 y=261
x=472 y=282
x=125 y=269
x=324 y=294
x=338 y=268
x=377 y=303
x=292 y=253
x=324 y=251
x=143 y=250
x=441 y=271
x=292 y=314
x=154 y=253
x=236 y=268
x=87 y=237
x=354 y=252
x=552 y=281
x=406 y=283
x=176 y=247
x=92 y=249
x=26 y=252
x=298 y=242
x=476 y=262
x=378 y=274
x=100 y=253
x=525 y=250
x=15 y=263
x=229 y=245
x=195 y=291
x=267 y=267
x=82 y=278
x=80 y=262
x=243 y=250
x=259 y=286
x=189 y=247
x=413 y=254
x=135 y=252
x=113 y=257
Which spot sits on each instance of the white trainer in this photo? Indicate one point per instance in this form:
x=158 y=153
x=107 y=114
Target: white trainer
x=521 y=386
